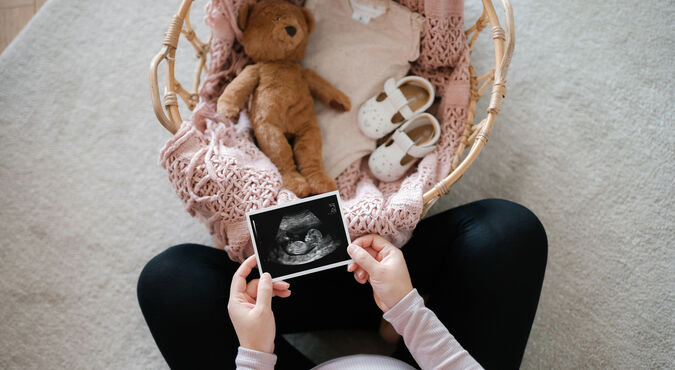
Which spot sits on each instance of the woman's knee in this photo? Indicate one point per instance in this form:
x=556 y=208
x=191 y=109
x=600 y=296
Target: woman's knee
x=182 y=294
x=158 y=271
x=165 y=274
x=499 y=222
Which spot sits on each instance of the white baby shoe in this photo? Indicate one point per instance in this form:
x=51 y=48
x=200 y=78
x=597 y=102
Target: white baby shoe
x=400 y=101
x=410 y=142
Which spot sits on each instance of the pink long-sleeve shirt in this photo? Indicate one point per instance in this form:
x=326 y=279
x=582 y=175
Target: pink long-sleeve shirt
x=428 y=340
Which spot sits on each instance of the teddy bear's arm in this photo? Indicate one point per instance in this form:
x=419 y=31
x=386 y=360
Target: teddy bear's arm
x=238 y=91
x=325 y=92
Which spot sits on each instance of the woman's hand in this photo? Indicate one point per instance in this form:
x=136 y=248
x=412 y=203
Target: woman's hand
x=250 y=307
x=379 y=262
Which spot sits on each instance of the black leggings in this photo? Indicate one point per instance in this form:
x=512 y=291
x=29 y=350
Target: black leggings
x=481 y=265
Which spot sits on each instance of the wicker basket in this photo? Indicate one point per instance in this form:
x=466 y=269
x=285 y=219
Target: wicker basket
x=474 y=136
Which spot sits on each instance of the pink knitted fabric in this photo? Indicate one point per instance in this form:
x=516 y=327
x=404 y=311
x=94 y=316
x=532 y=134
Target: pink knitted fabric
x=219 y=173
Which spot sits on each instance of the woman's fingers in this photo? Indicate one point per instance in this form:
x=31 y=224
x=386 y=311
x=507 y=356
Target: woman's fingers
x=252 y=288
x=282 y=293
x=364 y=241
x=280 y=288
x=265 y=292
x=239 y=278
x=362 y=258
x=351 y=267
x=281 y=285
x=373 y=241
x=361 y=276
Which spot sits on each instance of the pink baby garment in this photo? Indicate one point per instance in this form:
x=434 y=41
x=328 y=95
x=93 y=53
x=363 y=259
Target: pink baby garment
x=357 y=45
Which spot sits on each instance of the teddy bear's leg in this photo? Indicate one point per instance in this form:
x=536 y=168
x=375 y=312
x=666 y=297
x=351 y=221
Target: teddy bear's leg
x=307 y=148
x=274 y=144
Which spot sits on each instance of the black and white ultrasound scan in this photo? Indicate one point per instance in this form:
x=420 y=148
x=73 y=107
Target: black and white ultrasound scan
x=301 y=237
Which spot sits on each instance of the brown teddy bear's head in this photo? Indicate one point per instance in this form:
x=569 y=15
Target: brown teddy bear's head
x=274 y=30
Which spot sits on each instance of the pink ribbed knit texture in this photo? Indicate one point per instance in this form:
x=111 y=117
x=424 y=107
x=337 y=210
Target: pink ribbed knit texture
x=220 y=174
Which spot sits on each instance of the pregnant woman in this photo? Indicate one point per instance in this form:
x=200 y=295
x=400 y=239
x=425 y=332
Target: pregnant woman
x=480 y=268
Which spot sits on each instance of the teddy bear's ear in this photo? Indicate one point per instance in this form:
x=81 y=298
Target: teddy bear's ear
x=309 y=18
x=244 y=12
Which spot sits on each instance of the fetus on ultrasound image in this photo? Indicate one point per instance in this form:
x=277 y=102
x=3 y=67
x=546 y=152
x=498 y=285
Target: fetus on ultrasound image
x=300 y=240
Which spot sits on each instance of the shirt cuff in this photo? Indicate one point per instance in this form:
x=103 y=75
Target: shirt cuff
x=252 y=359
x=404 y=307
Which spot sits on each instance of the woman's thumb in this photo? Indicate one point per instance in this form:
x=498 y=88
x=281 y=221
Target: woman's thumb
x=362 y=258
x=265 y=292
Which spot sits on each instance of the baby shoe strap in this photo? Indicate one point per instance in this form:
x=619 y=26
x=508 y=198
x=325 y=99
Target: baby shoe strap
x=402 y=141
x=396 y=99
x=405 y=143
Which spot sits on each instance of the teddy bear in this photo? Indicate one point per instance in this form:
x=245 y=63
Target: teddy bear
x=275 y=35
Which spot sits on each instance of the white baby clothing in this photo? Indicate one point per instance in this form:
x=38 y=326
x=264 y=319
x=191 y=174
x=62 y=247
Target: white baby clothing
x=357 y=45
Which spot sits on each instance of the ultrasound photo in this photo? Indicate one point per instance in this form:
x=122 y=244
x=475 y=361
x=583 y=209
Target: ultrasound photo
x=301 y=237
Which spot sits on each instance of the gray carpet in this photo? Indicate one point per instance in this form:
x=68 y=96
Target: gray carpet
x=585 y=139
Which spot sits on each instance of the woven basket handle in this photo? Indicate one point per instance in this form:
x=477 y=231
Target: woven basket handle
x=504 y=41
x=170 y=119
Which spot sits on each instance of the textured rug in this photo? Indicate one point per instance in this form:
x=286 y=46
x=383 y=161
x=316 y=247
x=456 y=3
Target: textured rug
x=585 y=139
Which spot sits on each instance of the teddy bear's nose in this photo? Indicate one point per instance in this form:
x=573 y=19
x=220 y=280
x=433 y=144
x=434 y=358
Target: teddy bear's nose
x=290 y=30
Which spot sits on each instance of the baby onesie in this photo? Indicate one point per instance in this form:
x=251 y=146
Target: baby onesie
x=357 y=54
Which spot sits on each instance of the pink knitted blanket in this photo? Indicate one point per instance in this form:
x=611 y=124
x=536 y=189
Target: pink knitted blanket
x=219 y=173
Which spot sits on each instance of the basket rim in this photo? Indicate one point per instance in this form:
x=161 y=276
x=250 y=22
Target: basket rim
x=474 y=135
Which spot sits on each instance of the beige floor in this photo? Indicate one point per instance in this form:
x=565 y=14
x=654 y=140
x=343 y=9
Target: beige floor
x=585 y=139
x=14 y=15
